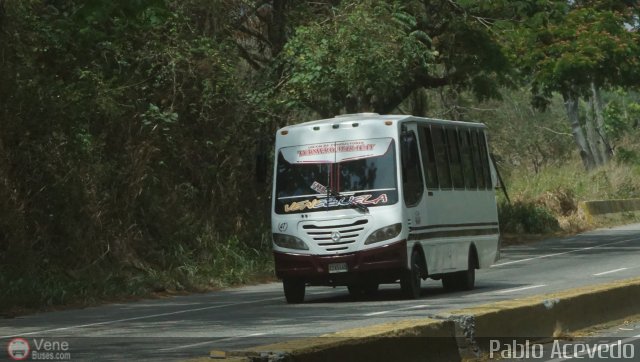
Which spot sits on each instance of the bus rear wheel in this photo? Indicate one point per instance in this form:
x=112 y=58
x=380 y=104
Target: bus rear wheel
x=462 y=280
x=467 y=278
x=293 y=290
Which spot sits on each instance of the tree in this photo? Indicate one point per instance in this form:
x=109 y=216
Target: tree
x=577 y=49
x=122 y=134
x=372 y=55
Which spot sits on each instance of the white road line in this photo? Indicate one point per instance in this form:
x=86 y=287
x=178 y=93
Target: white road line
x=556 y=254
x=395 y=310
x=320 y=293
x=519 y=289
x=609 y=272
x=209 y=342
x=137 y=318
x=376 y=313
x=193 y=345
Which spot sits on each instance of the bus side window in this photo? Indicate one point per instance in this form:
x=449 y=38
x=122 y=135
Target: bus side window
x=477 y=161
x=428 y=157
x=454 y=159
x=442 y=156
x=467 y=160
x=412 y=184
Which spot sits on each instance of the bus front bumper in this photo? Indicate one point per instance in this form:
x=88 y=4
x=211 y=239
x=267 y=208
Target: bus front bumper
x=383 y=264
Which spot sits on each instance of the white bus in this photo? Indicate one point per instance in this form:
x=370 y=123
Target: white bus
x=365 y=199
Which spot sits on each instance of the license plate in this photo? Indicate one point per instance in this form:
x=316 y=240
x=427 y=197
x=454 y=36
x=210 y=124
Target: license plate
x=338 y=268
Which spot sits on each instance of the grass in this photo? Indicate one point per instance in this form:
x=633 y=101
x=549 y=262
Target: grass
x=221 y=265
x=547 y=202
x=526 y=217
x=614 y=181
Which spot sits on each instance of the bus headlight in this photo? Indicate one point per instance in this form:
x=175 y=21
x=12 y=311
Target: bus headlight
x=385 y=233
x=289 y=242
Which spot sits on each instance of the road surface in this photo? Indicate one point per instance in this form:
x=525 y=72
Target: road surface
x=189 y=326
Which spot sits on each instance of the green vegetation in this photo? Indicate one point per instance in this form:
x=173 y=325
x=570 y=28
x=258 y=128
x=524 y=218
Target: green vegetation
x=49 y=284
x=136 y=136
x=547 y=202
x=526 y=217
x=543 y=175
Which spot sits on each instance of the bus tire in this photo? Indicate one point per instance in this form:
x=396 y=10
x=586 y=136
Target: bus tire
x=466 y=279
x=410 y=281
x=462 y=280
x=293 y=290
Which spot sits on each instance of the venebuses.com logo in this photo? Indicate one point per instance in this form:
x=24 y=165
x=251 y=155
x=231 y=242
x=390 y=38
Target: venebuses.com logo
x=18 y=349
x=39 y=349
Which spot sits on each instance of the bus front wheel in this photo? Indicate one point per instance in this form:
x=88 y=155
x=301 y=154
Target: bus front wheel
x=410 y=281
x=293 y=290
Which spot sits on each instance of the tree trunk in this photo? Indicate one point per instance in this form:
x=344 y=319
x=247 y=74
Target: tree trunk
x=603 y=145
x=419 y=102
x=1 y=13
x=571 y=106
x=277 y=28
x=592 y=135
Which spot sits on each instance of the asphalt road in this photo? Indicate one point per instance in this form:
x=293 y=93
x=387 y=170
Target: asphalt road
x=189 y=326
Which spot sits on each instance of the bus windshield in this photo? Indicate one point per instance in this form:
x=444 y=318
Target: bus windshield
x=336 y=175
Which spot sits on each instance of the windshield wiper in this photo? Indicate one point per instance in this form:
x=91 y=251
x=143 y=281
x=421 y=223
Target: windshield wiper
x=320 y=188
x=358 y=205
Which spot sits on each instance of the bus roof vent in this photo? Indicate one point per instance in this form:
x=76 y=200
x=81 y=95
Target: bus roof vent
x=357 y=115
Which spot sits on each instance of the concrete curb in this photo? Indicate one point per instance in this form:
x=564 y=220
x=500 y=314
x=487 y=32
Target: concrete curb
x=591 y=209
x=396 y=341
x=545 y=316
x=460 y=334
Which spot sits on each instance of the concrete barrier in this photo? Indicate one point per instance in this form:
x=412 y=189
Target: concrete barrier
x=545 y=316
x=606 y=207
x=460 y=334
x=407 y=340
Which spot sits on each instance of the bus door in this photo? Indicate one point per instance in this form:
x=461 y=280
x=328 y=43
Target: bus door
x=412 y=180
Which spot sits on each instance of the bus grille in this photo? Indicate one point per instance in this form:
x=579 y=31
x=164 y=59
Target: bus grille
x=322 y=233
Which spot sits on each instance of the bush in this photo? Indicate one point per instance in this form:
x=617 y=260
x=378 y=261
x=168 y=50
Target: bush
x=625 y=156
x=526 y=217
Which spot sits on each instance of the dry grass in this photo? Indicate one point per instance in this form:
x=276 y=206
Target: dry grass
x=558 y=191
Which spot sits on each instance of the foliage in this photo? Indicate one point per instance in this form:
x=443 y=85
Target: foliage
x=522 y=137
x=131 y=130
x=555 y=191
x=527 y=217
x=572 y=45
x=372 y=55
x=364 y=54
x=621 y=113
x=578 y=49
x=230 y=263
x=120 y=141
